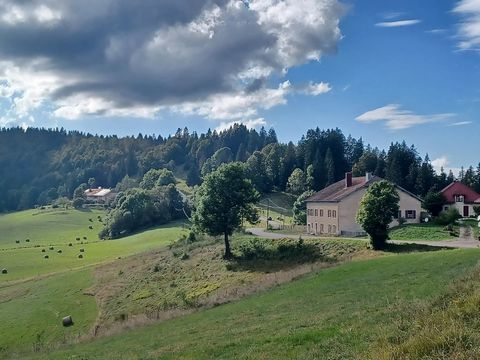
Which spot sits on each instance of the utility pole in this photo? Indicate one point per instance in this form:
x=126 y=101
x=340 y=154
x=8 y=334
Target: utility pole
x=268 y=212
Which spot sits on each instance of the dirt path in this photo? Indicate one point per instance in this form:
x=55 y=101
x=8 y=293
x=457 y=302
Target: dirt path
x=461 y=243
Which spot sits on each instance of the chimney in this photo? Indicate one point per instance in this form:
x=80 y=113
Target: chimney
x=368 y=177
x=348 y=179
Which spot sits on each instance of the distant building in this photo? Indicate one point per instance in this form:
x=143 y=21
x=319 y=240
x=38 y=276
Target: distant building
x=100 y=195
x=461 y=197
x=332 y=211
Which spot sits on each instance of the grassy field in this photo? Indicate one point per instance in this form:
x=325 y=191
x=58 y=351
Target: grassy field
x=430 y=232
x=36 y=292
x=58 y=229
x=339 y=313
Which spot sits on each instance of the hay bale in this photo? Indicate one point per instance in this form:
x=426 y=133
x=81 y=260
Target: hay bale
x=67 y=321
x=45 y=257
x=4 y=271
x=80 y=256
x=59 y=251
x=82 y=250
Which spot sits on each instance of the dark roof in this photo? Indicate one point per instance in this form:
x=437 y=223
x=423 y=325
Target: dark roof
x=337 y=191
x=458 y=188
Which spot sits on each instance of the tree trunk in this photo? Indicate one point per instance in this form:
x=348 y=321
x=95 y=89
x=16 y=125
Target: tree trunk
x=228 y=252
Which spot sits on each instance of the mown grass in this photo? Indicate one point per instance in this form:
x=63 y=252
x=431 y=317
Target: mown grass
x=48 y=227
x=339 y=313
x=58 y=228
x=31 y=313
x=429 y=232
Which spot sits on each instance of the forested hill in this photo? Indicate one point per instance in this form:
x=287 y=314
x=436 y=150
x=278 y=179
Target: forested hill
x=40 y=165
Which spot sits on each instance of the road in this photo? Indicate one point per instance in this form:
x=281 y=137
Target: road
x=462 y=242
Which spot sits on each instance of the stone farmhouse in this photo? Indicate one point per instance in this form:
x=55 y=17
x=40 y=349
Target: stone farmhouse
x=461 y=197
x=100 y=195
x=332 y=211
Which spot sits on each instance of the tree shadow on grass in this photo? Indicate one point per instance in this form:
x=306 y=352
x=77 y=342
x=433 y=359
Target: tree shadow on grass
x=413 y=247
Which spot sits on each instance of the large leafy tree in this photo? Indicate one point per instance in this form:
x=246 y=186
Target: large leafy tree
x=296 y=182
x=225 y=198
x=377 y=209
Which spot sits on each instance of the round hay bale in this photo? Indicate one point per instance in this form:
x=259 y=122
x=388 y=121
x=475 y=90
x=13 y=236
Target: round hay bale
x=80 y=256
x=67 y=321
x=43 y=250
x=82 y=250
x=4 y=271
x=45 y=257
x=59 y=251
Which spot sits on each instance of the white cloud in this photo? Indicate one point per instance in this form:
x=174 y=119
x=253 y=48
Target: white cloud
x=128 y=58
x=392 y=15
x=397 y=119
x=250 y=124
x=398 y=23
x=444 y=162
x=469 y=28
x=316 y=89
x=237 y=105
x=460 y=123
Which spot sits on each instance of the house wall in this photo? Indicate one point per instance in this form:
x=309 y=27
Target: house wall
x=460 y=205
x=316 y=222
x=348 y=208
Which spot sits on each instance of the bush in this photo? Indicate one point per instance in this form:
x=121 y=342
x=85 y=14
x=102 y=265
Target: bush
x=448 y=217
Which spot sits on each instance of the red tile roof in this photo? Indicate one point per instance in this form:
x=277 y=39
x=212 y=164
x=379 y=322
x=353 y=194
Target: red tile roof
x=338 y=191
x=458 y=188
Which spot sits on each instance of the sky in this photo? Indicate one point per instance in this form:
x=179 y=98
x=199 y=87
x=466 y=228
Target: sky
x=382 y=70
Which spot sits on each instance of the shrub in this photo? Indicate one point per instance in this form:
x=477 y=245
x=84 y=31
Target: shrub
x=80 y=256
x=27 y=240
x=59 y=251
x=51 y=247
x=448 y=217
x=82 y=250
x=45 y=257
x=17 y=241
x=70 y=244
x=4 y=271
x=43 y=250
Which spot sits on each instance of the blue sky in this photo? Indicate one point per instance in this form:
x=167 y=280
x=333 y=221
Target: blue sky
x=382 y=70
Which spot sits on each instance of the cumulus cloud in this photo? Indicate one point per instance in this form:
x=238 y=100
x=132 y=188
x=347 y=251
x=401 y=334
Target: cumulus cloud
x=469 y=27
x=444 y=162
x=123 y=57
x=395 y=118
x=250 y=124
x=316 y=89
x=398 y=23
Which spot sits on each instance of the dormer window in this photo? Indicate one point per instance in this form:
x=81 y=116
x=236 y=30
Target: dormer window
x=459 y=198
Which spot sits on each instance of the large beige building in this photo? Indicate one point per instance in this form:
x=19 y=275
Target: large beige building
x=332 y=211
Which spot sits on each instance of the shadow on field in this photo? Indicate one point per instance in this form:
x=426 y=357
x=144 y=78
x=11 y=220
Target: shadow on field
x=412 y=247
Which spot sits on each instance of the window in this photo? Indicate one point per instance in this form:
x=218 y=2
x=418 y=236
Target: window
x=410 y=214
x=329 y=229
x=459 y=198
x=316 y=212
x=308 y=228
x=321 y=212
x=329 y=213
x=334 y=213
x=321 y=228
x=316 y=228
x=334 y=229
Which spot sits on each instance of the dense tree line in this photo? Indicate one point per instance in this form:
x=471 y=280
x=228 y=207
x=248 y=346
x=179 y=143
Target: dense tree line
x=40 y=165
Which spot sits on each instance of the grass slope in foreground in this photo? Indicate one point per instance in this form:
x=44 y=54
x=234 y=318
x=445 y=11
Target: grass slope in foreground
x=338 y=313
